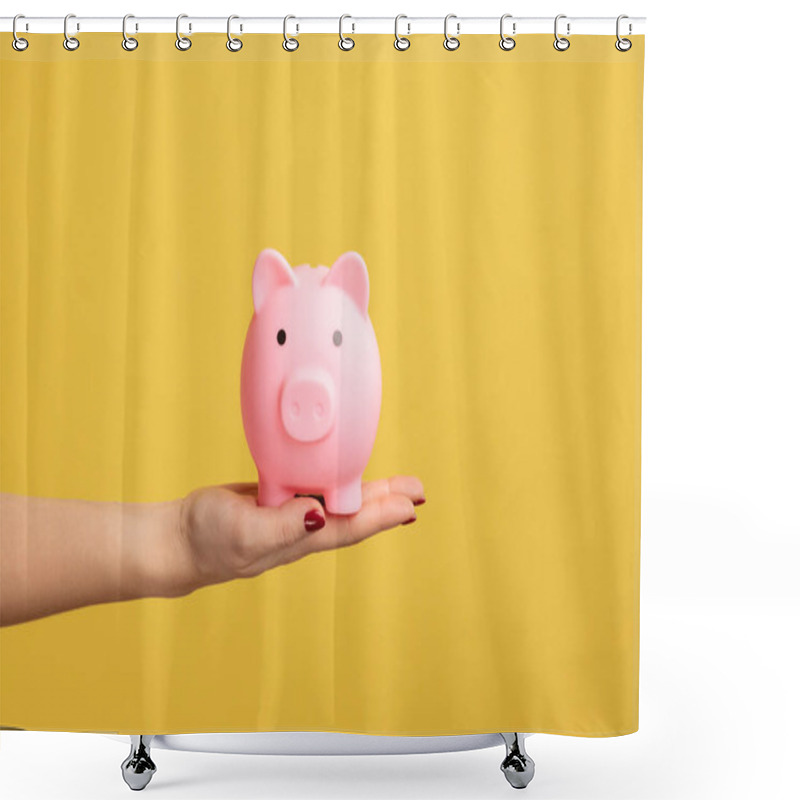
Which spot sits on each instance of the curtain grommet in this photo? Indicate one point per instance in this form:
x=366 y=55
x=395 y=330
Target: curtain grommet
x=71 y=43
x=561 y=43
x=451 y=43
x=129 y=43
x=289 y=44
x=346 y=43
x=17 y=42
x=401 y=43
x=233 y=44
x=507 y=42
x=622 y=44
x=183 y=43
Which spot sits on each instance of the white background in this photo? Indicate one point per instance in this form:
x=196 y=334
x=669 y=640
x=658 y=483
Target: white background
x=721 y=452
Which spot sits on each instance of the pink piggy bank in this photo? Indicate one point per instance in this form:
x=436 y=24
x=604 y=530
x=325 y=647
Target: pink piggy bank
x=311 y=381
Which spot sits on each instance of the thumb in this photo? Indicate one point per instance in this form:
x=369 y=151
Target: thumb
x=296 y=518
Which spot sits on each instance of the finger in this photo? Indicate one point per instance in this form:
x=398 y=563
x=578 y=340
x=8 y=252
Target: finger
x=271 y=530
x=384 y=512
x=408 y=485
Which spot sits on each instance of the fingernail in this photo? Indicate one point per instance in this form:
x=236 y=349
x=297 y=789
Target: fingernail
x=314 y=520
x=419 y=502
x=409 y=521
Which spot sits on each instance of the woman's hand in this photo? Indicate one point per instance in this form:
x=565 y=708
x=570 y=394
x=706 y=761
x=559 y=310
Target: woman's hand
x=223 y=534
x=57 y=555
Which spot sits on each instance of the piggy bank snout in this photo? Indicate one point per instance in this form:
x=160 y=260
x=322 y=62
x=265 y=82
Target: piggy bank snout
x=307 y=405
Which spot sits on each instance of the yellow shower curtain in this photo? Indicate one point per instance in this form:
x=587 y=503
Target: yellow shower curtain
x=496 y=199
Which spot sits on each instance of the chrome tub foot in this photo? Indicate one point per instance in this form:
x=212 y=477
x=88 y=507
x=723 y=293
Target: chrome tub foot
x=517 y=766
x=138 y=768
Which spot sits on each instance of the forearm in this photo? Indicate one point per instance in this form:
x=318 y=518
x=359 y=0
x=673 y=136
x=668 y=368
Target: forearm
x=56 y=555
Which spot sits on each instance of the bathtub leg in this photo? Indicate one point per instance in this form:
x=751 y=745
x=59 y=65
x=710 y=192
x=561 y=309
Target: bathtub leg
x=138 y=768
x=517 y=766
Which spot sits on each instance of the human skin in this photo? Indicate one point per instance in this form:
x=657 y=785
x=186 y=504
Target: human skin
x=57 y=555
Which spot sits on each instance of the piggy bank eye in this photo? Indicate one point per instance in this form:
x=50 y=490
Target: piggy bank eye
x=337 y=338
x=281 y=336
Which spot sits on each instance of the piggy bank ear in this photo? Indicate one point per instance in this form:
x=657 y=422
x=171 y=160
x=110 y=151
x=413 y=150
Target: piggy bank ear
x=271 y=271
x=349 y=273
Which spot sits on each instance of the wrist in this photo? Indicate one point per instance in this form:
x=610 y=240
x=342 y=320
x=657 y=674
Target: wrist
x=162 y=565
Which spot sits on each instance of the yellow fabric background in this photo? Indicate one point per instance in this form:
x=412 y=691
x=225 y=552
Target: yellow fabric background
x=496 y=198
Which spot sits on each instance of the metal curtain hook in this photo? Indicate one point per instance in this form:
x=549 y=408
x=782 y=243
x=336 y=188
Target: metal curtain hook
x=18 y=43
x=182 y=42
x=451 y=42
x=561 y=44
x=70 y=42
x=128 y=42
x=233 y=44
x=623 y=45
x=289 y=44
x=507 y=42
x=400 y=42
x=345 y=42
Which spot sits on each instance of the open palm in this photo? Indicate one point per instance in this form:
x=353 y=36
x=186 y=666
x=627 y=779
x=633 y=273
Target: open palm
x=224 y=534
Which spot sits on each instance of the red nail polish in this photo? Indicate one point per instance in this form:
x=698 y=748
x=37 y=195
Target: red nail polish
x=419 y=502
x=409 y=521
x=314 y=520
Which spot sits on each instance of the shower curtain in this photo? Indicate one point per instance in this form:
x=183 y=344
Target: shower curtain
x=495 y=198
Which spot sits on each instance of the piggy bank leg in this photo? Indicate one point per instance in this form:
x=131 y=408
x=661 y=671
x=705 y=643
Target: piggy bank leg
x=345 y=499
x=272 y=495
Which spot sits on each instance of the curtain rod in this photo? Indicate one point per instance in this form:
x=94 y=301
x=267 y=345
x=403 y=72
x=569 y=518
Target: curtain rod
x=407 y=25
